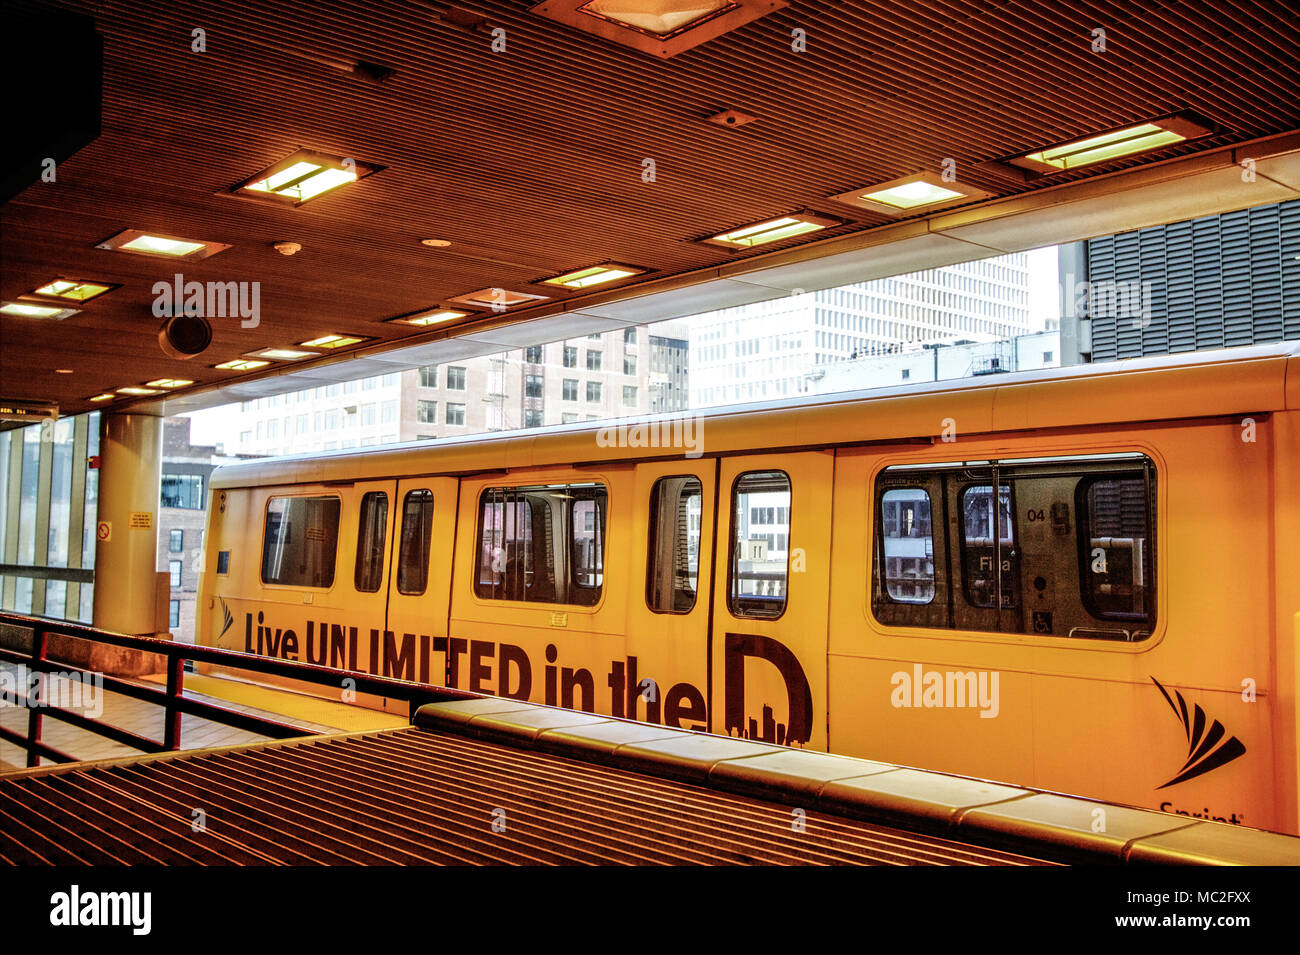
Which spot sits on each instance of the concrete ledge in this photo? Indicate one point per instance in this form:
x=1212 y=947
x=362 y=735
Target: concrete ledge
x=1214 y=843
x=914 y=794
x=792 y=771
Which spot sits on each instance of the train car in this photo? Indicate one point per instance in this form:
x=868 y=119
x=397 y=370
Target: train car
x=1084 y=580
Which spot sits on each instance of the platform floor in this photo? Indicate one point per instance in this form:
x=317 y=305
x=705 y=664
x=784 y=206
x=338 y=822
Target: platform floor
x=313 y=714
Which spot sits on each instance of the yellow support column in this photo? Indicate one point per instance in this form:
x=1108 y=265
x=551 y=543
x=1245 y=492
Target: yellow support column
x=126 y=553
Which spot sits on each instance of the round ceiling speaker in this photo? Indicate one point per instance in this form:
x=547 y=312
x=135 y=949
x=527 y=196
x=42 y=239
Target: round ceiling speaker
x=184 y=336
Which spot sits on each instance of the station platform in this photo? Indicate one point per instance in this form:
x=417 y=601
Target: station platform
x=490 y=780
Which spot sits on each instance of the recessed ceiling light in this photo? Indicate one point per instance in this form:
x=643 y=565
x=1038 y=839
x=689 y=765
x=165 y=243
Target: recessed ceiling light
x=1116 y=144
x=497 y=298
x=106 y=396
x=136 y=390
x=283 y=354
x=74 y=290
x=167 y=246
x=63 y=371
x=772 y=230
x=169 y=383
x=435 y=317
x=660 y=27
x=333 y=341
x=436 y=243
x=303 y=176
x=29 y=310
x=594 y=275
x=241 y=364
x=923 y=190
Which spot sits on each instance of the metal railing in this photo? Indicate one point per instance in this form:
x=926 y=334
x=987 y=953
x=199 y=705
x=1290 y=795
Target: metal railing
x=171 y=697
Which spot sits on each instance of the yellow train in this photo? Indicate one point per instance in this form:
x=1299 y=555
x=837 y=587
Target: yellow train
x=1084 y=580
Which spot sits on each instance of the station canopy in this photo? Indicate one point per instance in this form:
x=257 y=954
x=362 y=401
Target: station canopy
x=349 y=188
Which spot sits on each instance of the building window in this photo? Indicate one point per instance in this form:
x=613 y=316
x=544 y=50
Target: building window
x=174 y=569
x=673 y=568
x=176 y=540
x=388 y=412
x=427 y=412
x=368 y=416
x=300 y=541
x=629 y=364
x=455 y=378
x=907 y=373
x=516 y=558
x=331 y=419
x=570 y=356
x=532 y=418
x=455 y=413
x=533 y=354
x=568 y=418
x=183 y=491
x=629 y=336
x=629 y=396
x=1047 y=357
x=593 y=360
x=593 y=391
x=173 y=613
x=372 y=528
x=533 y=385
x=759 y=574
x=429 y=376
x=417 y=529
x=570 y=389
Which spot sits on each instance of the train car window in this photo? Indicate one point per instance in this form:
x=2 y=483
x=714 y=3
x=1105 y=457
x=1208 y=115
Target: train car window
x=908 y=545
x=413 y=555
x=760 y=552
x=673 y=565
x=1064 y=547
x=980 y=573
x=372 y=528
x=300 y=541
x=542 y=544
x=1115 y=563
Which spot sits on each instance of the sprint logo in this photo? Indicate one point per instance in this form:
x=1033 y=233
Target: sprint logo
x=1206 y=747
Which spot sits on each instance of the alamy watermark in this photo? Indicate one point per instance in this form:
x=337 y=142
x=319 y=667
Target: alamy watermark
x=977 y=689
x=82 y=692
x=686 y=432
x=1128 y=300
x=242 y=300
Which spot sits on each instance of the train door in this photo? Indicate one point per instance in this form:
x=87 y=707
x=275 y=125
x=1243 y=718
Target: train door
x=364 y=536
x=771 y=587
x=419 y=579
x=665 y=674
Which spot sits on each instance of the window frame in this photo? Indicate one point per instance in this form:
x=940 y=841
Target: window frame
x=357 y=566
x=402 y=540
x=1082 y=514
x=880 y=524
x=734 y=558
x=334 y=569
x=652 y=540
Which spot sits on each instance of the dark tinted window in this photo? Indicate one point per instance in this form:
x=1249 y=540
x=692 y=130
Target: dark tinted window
x=673 y=567
x=417 y=526
x=300 y=541
x=372 y=530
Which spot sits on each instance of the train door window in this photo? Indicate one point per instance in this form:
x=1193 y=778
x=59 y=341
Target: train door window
x=1115 y=558
x=981 y=572
x=587 y=547
x=760 y=556
x=413 y=555
x=673 y=566
x=372 y=527
x=907 y=545
x=300 y=541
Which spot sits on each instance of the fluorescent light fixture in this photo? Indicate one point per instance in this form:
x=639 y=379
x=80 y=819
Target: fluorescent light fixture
x=772 y=230
x=241 y=364
x=1116 y=144
x=32 y=310
x=168 y=383
x=594 y=275
x=137 y=390
x=73 y=290
x=304 y=176
x=662 y=28
x=106 y=396
x=435 y=317
x=283 y=354
x=167 y=246
x=921 y=191
x=333 y=341
x=497 y=299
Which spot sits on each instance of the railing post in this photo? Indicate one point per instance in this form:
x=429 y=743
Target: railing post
x=172 y=715
x=39 y=639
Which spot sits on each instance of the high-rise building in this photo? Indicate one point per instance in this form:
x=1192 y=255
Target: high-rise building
x=770 y=349
x=606 y=375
